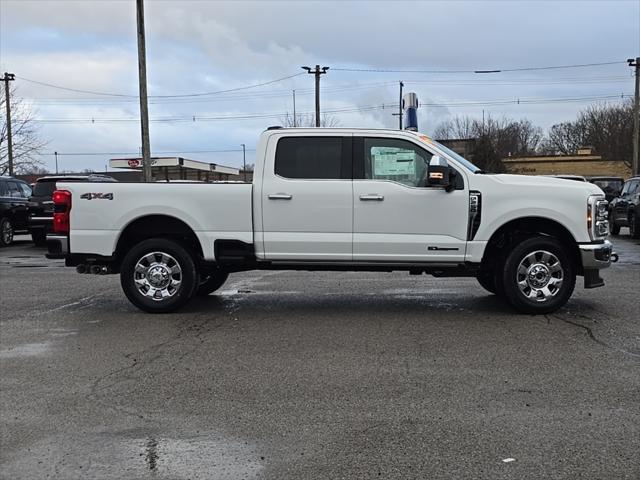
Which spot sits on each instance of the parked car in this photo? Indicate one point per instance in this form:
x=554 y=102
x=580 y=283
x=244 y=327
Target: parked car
x=340 y=199
x=611 y=186
x=14 y=195
x=41 y=203
x=624 y=210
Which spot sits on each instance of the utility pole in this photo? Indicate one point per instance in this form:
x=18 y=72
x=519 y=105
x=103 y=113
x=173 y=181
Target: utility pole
x=8 y=77
x=317 y=72
x=294 y=108
x=144 y=107
x=635 y=164
x=56 y=155
x=399 y=114
x=244 y=161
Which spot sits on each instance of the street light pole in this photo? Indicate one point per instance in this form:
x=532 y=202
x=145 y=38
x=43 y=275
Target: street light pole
x=317 y=72
x=244 y=161
x=56 y=155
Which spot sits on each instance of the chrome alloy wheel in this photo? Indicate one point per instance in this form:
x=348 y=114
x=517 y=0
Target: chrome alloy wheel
x=157 y=275
x=540 y=276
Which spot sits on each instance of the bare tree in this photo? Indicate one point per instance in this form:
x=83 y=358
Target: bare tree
x=27 y=143
x=605 y=127
x=308 y=120
x=495 y=138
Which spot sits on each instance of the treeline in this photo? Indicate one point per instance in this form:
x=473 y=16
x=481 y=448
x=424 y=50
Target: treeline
x=607 y=128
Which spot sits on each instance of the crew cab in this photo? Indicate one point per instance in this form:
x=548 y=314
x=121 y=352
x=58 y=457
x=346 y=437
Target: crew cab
x=340 y=200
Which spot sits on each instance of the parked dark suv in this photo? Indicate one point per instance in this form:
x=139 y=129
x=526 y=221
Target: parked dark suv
x=14 y=195
x=624 y=210
x=611 y=186
x=41 y=203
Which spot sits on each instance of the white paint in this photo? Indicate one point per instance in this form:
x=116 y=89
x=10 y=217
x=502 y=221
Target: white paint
x=508 y=460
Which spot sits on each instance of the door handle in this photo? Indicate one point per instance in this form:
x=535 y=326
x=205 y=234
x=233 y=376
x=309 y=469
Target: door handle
x=372 y=197
x=280 y=196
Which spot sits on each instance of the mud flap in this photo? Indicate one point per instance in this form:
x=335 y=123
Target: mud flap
x=592 y=279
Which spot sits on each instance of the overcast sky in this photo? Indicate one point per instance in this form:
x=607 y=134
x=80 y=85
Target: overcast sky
x=197 y=47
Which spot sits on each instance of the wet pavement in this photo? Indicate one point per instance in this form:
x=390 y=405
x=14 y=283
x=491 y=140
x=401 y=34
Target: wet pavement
x=294 y=375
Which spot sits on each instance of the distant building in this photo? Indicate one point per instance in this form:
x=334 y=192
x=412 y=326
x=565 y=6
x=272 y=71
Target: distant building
x=584 y=163
x=178 y=168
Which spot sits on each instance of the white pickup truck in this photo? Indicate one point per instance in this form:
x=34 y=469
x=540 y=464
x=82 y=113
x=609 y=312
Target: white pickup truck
x=340 y=200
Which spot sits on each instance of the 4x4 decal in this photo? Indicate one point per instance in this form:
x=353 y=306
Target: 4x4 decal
x=97 y=196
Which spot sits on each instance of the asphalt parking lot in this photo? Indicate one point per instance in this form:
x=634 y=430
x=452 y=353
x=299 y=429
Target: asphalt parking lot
x=294 y=375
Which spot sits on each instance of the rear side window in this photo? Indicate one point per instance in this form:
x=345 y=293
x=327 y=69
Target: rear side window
x=14 y=190
x=26 y=190
x=314 y=157
x=44 y=189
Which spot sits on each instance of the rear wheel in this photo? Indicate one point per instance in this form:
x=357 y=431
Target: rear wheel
x=6 y=232
x=538 y=276
x=39 y=238
x=211 y=282
x=158 y=275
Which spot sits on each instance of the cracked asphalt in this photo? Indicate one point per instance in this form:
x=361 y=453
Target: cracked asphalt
x=295 y=375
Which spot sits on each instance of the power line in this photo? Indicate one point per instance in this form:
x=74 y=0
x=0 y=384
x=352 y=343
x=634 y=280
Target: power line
x=138 y=153
x=200 y=94
x=355 y=109
x=493 y=70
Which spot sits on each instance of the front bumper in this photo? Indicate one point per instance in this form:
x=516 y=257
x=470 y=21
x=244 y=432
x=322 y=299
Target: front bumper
x=57 y=246
x=596 y=256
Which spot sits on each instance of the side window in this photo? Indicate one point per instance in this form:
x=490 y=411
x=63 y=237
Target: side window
x=26 y=190
x=633 y=187
x=313 y=157
x=397 y=160
x=14 y=190
x=3 y=189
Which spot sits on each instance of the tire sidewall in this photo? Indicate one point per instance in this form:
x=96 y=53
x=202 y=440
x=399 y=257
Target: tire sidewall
x=513 y=294
x=3 y=222
x=180 y=254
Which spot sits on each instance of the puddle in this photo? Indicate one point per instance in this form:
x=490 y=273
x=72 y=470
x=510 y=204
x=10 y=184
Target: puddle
x=108 y=456
x=25 y=350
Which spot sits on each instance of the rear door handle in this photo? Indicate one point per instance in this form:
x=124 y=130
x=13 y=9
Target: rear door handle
x=372 y=197
x=280 y=196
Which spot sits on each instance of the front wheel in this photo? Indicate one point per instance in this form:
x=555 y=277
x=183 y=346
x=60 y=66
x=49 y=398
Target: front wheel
x=6 y=232
x=634 y=225
x=158 y=275
x=613 y=227
x=538 y=276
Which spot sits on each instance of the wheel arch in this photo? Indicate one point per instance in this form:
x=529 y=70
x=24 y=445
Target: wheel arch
x=157 y=226
x=520 y=228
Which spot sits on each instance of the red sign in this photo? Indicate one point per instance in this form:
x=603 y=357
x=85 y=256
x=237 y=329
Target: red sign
x=133 y=163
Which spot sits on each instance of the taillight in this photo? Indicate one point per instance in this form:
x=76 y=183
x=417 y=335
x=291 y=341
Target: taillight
x=61 y=211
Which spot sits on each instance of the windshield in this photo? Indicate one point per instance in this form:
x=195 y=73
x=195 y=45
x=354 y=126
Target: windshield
x=459 y=158
x=612 y=186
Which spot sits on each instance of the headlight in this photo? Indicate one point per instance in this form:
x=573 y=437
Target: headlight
x=597 y=217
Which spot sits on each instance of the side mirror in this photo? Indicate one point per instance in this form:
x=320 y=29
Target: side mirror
x=438 y=172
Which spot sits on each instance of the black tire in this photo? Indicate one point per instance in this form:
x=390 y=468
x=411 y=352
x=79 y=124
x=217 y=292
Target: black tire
x=486 y=279
x=211 y=282
x=546 y=280
x=171 y=283
x=613 y=227
x=39 y=238
x=6 y=232
x=634 y=225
